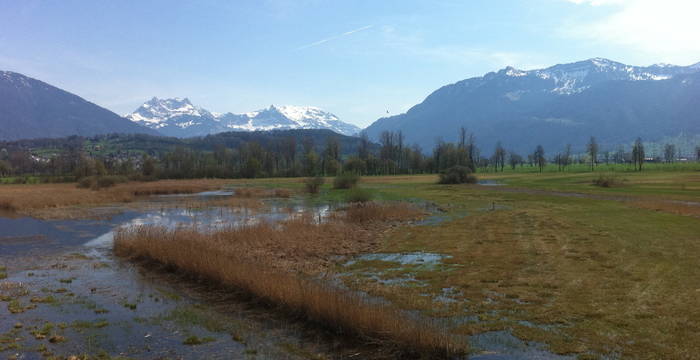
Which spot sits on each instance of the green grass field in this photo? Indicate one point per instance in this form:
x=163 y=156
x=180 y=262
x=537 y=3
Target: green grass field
x=586 y=276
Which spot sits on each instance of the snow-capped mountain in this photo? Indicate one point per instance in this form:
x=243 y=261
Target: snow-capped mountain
x=155 y=113
x=573 y=78
x=178 y=117
x=576 y=77
x=561 y=104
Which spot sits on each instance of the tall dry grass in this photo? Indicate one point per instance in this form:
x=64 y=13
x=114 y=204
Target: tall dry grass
x=259 y=192
x=266 y=261
x=27 y=198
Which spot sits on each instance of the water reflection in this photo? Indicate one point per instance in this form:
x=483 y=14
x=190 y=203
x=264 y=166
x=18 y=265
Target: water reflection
x=26 y=235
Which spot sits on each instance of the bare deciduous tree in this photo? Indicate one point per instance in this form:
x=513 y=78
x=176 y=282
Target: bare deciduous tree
x=539 y=158
x=593 y=152
x=638 y=154
x=669 y=153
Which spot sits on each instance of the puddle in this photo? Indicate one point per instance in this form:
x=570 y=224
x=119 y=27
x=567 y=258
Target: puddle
x=502 y=345
x=203 y=194
x=437 y=219
x=416 y=258
x=489 y=183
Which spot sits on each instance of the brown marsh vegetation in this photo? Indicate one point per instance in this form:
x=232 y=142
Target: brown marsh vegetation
x=280 y=264
x=382 y=212
x=258 y=192
x=30 y=199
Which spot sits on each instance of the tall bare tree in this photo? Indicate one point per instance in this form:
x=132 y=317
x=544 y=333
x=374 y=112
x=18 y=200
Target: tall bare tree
x=566 y=157
x=499 y=157
x=539 y=158
x=593 y=152
x=514 y=159
x=638 y=154
x=669 y=153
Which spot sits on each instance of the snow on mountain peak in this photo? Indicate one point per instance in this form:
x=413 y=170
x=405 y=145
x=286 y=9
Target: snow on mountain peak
x=169 y=114
x=513 y=72
x=572 y=78
x=155 y=112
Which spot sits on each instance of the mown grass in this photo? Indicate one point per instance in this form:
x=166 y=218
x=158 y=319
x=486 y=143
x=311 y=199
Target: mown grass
x=267 y=261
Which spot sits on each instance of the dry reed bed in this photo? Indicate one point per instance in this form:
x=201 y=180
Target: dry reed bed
x=270 y=262
x=28 y=198
x=382 y=212
x=259 y=192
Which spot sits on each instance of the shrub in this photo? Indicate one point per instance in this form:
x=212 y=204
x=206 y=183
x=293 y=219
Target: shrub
x=86 y=182
x=608 y=181
x=457 y=175
x=355 y=165
x=313 y=184
x=358 y=195
x=346 y=180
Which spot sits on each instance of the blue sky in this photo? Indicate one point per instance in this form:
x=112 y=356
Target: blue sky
x=354 y=58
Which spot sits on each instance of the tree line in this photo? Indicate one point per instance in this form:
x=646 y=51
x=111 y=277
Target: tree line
x=289 y=157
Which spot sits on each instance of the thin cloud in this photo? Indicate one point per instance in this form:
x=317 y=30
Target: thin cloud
x=415 y=46
x=665 y=29
x=323 y=41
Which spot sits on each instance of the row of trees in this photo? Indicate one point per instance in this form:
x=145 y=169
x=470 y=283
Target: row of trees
x=286 y=158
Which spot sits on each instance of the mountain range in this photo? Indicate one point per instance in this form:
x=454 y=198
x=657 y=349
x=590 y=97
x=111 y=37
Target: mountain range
x=178 y=117
x=30 y=108
x=555 y=106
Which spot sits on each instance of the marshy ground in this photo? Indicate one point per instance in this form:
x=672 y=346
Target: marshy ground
x=543 y=266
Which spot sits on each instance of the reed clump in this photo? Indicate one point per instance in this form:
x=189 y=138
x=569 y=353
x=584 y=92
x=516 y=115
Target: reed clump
x=382 y=212
x=266 y=261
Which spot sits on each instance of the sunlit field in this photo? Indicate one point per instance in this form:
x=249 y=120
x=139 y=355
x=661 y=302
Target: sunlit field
x=586 y=275
x=548 y=258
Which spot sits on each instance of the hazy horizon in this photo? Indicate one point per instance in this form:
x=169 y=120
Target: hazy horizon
x=357 y=60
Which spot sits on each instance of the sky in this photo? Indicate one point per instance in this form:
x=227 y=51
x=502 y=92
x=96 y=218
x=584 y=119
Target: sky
x=359 y=59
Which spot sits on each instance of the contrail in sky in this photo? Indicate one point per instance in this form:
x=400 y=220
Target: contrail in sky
x=322 y=41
